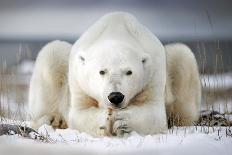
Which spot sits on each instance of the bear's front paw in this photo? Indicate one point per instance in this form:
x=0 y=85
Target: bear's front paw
x=58 y=121
x=121 y=126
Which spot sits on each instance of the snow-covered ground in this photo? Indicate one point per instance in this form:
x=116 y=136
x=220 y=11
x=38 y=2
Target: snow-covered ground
x=177 y=141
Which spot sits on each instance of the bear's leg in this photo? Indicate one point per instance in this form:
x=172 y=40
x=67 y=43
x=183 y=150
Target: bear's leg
x=183 y=89
x=48 y=93
x=89 y=120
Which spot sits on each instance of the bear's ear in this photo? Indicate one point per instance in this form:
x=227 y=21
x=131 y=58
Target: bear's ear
x=81 y=57
x=145 y=58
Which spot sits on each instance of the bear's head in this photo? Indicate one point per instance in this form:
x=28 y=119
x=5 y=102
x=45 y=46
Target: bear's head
x=112 y=72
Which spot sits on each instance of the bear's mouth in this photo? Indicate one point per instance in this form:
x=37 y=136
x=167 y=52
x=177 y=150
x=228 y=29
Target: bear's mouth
x=116 y=107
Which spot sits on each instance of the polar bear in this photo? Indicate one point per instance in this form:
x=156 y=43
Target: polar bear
x=117 y=64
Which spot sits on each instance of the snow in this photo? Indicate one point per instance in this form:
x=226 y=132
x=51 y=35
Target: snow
x=177 y=141
x=217 y=81
x=26 y=67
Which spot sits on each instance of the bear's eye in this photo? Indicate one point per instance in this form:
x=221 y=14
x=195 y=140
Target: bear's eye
x=129 y=72
x=102 y=72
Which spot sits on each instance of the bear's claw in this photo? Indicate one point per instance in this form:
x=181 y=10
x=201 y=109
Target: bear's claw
x=58 y=121
x=120 y=123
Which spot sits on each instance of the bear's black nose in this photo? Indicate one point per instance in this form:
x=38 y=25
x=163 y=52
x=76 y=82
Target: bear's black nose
x=116 y=98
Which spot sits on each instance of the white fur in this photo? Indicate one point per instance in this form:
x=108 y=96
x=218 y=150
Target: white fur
x=48 y=94
x=116 y=43
x=183 y=88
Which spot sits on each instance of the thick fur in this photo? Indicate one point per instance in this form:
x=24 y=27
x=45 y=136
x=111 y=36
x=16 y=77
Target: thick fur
x=67 y=90
x=49 y=92
x=183 y=88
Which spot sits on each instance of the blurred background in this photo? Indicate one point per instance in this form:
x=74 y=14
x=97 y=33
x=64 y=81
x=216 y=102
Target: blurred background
x=27 y=25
